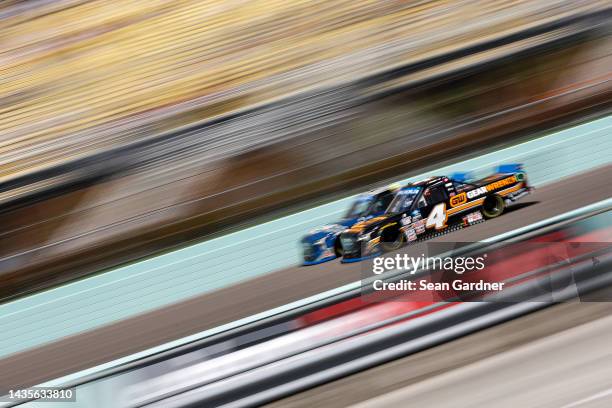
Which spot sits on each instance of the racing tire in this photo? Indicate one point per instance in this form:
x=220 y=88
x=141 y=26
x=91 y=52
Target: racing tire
x=493 y=206
x=392 y=240
x=338 y=248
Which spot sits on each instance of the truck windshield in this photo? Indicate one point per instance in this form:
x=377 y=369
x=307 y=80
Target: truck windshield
x=359 y=208
x=403 y=200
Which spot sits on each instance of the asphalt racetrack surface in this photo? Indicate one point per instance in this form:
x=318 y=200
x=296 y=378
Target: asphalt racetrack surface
x=104 y=344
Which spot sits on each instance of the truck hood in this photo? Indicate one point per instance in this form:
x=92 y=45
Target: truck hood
x=362 y=226
x=329 y=229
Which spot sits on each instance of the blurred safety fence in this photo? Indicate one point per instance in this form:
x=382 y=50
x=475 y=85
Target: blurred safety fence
x=333 y=335
x=79 y=77
x=232 y=172
x=220 y=262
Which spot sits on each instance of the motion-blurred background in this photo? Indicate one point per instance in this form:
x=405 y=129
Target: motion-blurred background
x=130 y=129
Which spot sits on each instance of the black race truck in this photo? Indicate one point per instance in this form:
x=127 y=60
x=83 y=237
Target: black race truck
x=426 y=208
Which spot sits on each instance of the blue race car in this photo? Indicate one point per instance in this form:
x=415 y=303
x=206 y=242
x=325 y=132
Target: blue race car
x=323 y=244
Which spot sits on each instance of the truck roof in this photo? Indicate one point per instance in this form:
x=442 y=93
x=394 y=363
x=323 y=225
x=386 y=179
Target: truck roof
x=431 y=180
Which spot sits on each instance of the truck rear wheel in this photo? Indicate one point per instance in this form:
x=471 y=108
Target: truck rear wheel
x=493 y=206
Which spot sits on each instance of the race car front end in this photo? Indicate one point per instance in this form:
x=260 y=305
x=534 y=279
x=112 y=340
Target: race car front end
x=358 y=245
x=320 y=244
x=318 y=247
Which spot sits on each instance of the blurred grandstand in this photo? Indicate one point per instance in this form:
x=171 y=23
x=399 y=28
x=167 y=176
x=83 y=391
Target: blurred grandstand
x=83 y=76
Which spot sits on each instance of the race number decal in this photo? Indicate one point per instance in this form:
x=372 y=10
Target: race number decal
x=437 y=217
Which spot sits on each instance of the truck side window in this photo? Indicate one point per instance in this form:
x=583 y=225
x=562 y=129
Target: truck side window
x=435 y=195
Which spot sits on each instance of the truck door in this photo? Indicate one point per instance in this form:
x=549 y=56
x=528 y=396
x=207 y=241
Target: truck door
x=432 y=206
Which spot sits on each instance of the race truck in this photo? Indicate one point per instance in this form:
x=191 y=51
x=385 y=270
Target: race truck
x=322 y=244
x=432 y=206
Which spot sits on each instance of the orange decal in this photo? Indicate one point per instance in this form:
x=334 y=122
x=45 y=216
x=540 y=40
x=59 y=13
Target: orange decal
x=501 y=183
x=458 y=199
